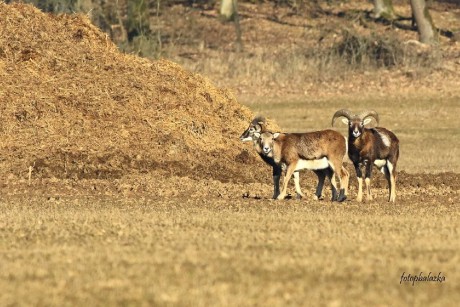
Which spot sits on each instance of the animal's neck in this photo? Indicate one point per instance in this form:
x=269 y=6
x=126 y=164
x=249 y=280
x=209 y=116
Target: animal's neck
x=355 y=141
x=352 y=138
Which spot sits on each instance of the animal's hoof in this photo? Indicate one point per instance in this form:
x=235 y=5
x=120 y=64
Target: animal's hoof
x=318 y=197
x=281 y=197
x=342 y=197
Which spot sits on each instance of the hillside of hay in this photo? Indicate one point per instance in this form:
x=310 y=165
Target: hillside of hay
x=72 y=106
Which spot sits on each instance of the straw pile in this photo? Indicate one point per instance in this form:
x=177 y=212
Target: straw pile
x=73 y=106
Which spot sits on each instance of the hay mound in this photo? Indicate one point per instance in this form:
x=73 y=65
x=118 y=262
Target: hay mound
x=73 y=106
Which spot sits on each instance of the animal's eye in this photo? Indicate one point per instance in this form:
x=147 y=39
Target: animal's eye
x=251 y=129
x=361 y=124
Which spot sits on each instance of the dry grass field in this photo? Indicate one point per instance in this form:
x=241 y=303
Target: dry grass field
x=201 y=252
x=93 y=245
x=125 y=183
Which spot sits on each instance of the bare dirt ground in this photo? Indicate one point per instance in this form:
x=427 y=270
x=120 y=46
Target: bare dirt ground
x=124 y=182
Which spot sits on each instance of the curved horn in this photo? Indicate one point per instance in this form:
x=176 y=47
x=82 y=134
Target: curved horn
x=369 y=113
x=343 y=112
x=258 y=119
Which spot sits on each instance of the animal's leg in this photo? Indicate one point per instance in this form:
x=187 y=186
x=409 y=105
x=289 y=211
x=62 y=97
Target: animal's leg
x=276 y=180
x=343 y=184
x=368 y=179
x=333 y=182
x=359 y=174
x=392 y=172
x=299 y=193
x=321 y=178
x=387 y=173
x=289 y=171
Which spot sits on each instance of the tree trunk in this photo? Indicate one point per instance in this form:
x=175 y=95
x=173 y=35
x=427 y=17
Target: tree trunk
x=425 y=26
x=227 y=9
x=229 y=12
x=236 y=19
x=384 y=9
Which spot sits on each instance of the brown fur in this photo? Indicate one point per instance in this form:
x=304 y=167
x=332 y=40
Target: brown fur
x=290 y=148
x=368 y=147
x=308 y=146
x=259 y=125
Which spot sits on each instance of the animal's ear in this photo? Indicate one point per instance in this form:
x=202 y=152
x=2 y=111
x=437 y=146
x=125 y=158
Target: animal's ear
x=367 y=121
x=256 y=135
x=275 y=135
x=345 y=120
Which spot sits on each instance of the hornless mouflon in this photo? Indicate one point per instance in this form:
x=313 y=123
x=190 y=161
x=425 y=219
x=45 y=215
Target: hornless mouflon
x=259 y=125
x=312 y=150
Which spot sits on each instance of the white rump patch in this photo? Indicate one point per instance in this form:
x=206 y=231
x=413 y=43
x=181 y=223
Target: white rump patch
x=312 y=164
x=385 y=139
x=380 y=164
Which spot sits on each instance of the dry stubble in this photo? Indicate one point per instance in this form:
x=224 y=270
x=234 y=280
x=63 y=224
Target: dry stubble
x=105 y=251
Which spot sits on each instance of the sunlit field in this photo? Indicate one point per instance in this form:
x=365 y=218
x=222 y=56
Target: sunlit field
x=131 y=251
